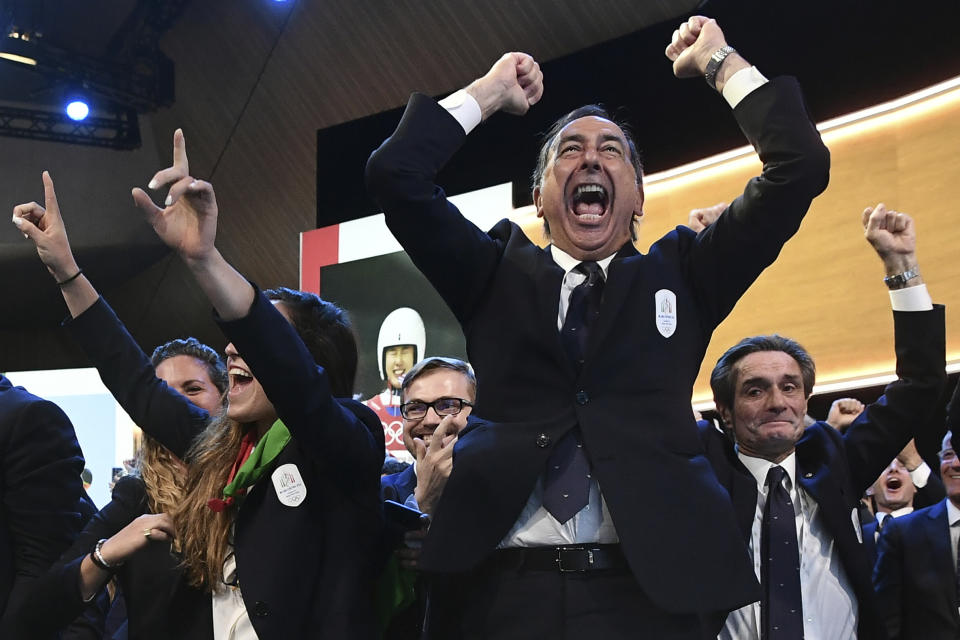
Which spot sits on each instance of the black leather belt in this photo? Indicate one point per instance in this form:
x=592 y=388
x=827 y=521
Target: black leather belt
x=576 y=558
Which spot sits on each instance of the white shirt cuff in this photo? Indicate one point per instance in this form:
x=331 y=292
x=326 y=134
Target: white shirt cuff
x=464 y=108
x=920 y=475
x=911 y=299
x=741 y=83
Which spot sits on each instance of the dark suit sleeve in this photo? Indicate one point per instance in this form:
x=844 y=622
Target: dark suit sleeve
x=127 y=372
x=885 y=426
x=345 y=436
x=41 y=493
x=953 y=417
x=729 y=255
x=930 y=493
x=456 y=256
x=888 y=577
x=57 y=599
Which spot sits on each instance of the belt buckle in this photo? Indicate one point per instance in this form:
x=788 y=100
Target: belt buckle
x=577 y=550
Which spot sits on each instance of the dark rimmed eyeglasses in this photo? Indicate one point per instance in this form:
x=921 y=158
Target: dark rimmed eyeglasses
x=417 y=409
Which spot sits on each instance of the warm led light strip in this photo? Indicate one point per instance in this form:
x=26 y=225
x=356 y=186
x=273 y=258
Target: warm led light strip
x=943 y=89
x=21 y=59
x=847 y=384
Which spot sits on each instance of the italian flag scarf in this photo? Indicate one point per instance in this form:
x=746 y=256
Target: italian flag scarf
x=252 y=462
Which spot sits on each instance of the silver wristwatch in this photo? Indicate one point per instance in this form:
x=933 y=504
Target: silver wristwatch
x=898 y=280
x=710 y=75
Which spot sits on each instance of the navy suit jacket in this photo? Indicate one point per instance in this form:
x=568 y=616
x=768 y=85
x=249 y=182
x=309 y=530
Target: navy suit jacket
x=42 y=502
x=303 y=568
x=631 y=398
x=915 y=577
x=835 y=469
x=398 y=486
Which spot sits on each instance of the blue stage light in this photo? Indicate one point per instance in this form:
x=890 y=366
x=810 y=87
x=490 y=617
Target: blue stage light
x=77 y=110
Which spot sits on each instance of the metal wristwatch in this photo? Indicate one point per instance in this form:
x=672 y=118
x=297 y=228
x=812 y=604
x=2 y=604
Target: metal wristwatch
x=710 y=75
x=899 y=280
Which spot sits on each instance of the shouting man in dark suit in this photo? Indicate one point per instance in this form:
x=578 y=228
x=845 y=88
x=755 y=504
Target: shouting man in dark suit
x=796 y=489
x=42 y=502
x=541 y=497
x=916 y=575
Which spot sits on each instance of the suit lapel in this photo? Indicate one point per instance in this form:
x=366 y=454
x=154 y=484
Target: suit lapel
x=936 y=530
x=743 y=493
x=408 y=483
x=619 y=278
x=820 y=484
x=548 y=277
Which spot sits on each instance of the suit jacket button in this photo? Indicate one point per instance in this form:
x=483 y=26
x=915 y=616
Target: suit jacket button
x=260 y=609
x=543 y=441
x=582 y=397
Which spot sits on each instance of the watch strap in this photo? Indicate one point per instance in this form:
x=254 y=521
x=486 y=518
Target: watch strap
x=713 y=65
x=899 y=280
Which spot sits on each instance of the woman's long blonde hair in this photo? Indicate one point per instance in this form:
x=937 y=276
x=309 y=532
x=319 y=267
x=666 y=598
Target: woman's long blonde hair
x=202 y=533
x=163 y=475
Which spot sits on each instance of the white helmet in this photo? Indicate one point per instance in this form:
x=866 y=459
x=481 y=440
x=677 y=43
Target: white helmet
x=402 y=326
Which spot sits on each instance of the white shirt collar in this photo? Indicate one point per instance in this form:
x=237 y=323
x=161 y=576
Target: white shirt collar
x=953 y=513
x=568 y=263
x=759 y=467
x=896 y=513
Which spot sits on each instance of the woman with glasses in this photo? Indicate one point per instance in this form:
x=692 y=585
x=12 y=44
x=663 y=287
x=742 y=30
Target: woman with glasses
x=281 y=518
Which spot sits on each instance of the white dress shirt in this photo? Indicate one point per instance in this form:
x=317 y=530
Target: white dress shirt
x=230 y=618
x=829 y=604
x=883 y=515
x=953 y=518
x=536 y=526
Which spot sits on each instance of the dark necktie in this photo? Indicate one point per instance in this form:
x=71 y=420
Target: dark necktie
x=567 y=483
x=782 y=605
x=881 y=523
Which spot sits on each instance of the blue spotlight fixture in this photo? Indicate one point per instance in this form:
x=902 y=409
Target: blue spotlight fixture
x=77 y=110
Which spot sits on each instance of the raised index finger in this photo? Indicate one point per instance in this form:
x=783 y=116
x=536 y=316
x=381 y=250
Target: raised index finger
x=180 y=168
x=50 y=194
x=180 y=152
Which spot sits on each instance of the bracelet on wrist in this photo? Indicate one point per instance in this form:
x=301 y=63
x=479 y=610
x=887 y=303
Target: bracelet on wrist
x=96 y=556
x=71 y=278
